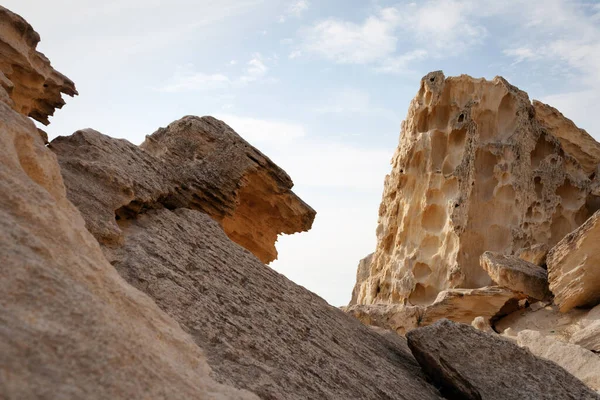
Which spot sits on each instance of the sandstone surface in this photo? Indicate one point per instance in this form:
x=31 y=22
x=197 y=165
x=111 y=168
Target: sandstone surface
x=535 y=254
x=574 y=267
x=260 y=331
x=581 y=363
x=576 y=141
x=475 y=171
x=31 y=86
x=198 y=163
x=516 y=274
x=463 y=362
x=459 y=305
x=70 y=326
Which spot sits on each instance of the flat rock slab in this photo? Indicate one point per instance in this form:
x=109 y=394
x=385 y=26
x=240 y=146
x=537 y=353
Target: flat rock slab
x=516 y=274
x=574 y=267
x=469 y=364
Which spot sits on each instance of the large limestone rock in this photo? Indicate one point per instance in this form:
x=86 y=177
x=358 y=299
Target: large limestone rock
x=198 y=163
x=459 y=305
x=70 y=326
x=362 y=274
x=516 y=274
x=582 y=363
x=475 y=171
x=31 y=86
x=260 y=331
x=576 y=141
x=468 y=364
x=574 y=267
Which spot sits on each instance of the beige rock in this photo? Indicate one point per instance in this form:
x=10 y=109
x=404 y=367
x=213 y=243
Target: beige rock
x=459 y=305
x=574 y=267
x=575 y=141
x=199 y=163
x=516 y=274
x=581 y=363
x=33 y=86
x=468 y=364
x=474 y=171
x=482 y=324
x=535 y=254
x=362 y=273
x=70 y=326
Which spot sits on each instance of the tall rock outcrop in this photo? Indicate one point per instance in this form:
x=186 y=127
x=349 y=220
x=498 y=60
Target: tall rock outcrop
x=475 y=171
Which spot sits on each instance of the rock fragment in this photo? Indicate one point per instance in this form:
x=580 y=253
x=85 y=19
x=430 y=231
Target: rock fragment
x=469 y=364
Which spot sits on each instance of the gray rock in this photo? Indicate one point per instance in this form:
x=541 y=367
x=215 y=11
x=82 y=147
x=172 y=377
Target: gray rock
x=470 y=364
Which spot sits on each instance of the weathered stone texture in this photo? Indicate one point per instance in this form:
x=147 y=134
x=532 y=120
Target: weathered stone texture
x=475 y=171
x=464 y=363
x=198 y=163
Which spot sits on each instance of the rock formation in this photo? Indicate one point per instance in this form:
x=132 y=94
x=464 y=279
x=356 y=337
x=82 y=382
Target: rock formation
x=198 y=163
x=516 y=274
x=475 y=171
x=70 y=326
x=31 y=86
x=456 y=357
x=574 y=267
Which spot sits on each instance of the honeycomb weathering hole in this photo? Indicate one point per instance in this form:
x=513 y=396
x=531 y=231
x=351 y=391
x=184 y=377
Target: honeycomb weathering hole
x=434 y=218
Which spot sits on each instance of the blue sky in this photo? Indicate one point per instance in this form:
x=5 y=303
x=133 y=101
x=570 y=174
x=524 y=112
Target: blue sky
x=321 y=87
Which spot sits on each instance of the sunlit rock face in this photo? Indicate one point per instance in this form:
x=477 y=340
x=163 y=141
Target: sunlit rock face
x=475 y=171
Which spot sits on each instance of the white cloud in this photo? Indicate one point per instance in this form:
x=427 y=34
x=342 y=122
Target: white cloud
x=350 y=43
x=445 y=25
x=295 y=54
x=294 y=9
x=352 y=101
x=263 y=131
x=521 y=54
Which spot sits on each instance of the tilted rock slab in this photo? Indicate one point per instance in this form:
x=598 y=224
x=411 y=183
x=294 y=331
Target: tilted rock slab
x=475 y=171
x=198 y=163
x=31 y=86
x=459 y=305
x=582 y=363
x=574 y=267
x=576 y=141
x=70 y=326
x=516 y=274
x=469 y=364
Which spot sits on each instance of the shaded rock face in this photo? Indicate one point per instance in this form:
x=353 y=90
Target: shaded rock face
x=260 y=331
x=574 y=267
x=475 y=171
x=70 y=326
x=464 y=363
x=31 y=86
x=516 y=274
x=197 y=163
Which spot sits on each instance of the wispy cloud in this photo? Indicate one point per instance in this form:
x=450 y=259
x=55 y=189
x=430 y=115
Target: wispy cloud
x=443 y=25
x=186 y=78
x=294 y=9
x=352 y=101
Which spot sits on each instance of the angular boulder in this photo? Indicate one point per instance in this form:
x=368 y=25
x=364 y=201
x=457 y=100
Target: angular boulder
x=468 y=364
x=516 y=274
x=535 y=254
x=574 y=267
x=475 y=170
x=198 y=163
x=581 y=363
